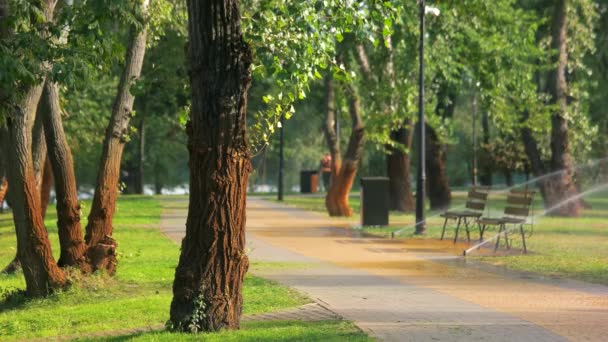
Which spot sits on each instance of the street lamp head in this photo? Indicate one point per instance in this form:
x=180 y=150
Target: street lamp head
x=432 y=10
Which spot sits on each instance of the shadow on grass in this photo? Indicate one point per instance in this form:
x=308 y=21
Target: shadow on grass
x=13 y=299
x=256 y=331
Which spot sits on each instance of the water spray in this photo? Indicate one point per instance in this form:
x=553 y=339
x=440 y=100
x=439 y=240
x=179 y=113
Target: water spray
x=599 y=188
x=505 y=190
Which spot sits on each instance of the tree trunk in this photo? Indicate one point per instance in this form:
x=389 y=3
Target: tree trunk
x=158 y=184
x=207 y=291
x=45 y=186
x=439 y=194
x=486 y=160
x=38 y=150
x=33 y=247
x=14 y=265
x=398 y=170
x=41 y=273
x=101 y=246
x=60 y=157
x=139 y=185
x=562 y=185
x=343 y=171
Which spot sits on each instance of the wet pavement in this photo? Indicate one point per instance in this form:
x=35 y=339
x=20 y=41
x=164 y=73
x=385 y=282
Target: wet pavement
x=411 y=290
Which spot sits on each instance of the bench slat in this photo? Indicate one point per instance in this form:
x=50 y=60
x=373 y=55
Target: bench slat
x=475 y=205
x=522 y=212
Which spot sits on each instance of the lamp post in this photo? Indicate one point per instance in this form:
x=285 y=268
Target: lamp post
x=281 y=159
x=475 y=164
x=421 y=176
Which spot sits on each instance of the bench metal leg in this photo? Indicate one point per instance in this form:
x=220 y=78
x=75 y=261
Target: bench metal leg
x=457 y=228
x=482 y=229
x=500 y=229
x=507 y=243
x=523 y=237
x=444 y=224
x=466 y=227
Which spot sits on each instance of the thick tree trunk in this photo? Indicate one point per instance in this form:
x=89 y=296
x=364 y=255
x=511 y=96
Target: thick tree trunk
x=207 y=291
x=101 y=246
x=439 y=194
x=343 y=170
x=60 y=158
x=41 y=273
x=398 y=170
x=33 y=247
x=562 y=185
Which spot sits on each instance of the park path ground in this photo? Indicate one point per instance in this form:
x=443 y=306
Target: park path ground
x=410 y=290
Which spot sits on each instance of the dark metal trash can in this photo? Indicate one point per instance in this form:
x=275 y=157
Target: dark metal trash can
x=309 y=180
x=374 y=201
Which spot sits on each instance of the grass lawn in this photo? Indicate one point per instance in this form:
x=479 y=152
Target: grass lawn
x=565 y=247
x=140 y=293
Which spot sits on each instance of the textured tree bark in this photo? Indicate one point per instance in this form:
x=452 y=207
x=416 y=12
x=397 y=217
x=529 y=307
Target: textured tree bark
x=439 y=194
x=207 y=291
x=101 y=246
x=60 y=158
x=42 y=274
x=343 y=171
x=562 y=185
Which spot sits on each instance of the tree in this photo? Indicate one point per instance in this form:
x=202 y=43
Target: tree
x=207 y=291
x=101 y=246
x=41 y=272
x=62 y=163
x=343 y=171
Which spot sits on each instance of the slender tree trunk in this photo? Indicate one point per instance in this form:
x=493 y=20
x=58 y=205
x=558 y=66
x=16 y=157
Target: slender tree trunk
x=343 y=170
x=60 y=158
x=508 y=177
x=45 y=186
x=207 y=291
x=439 y=194
x=101 y=251
x=14 y=265
x=3 y=180
x=486 y=160
x=561 y=186
x=158 y=184
x=38 y=150
x=139 y=186
x=398 y=170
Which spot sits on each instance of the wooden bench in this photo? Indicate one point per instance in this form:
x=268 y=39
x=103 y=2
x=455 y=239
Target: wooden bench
x=516 y=213
x=476 y=204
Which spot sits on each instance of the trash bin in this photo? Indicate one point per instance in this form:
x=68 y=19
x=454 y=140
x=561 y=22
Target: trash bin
x=309 y=180
x=374 y=201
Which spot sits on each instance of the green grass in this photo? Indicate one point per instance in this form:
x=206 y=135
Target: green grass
x=140 y=293
x=564 y=247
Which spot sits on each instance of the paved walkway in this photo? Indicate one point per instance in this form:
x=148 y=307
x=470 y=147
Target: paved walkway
x=412 y=290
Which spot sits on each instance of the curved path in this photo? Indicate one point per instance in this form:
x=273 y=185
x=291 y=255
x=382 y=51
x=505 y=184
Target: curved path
x=414 y=290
